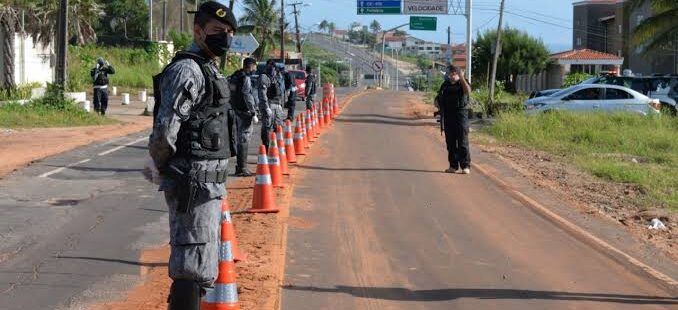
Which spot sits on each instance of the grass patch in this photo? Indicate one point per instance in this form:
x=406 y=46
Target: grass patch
x=37 y=115
x=623 y=147
x=329 y=64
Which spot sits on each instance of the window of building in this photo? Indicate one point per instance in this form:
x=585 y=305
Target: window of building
x=578 y=41
x=429 y=48
x=421 y=48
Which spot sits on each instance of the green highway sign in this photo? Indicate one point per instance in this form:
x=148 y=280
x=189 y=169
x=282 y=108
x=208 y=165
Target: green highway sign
x=383 y=10
x=423 y=23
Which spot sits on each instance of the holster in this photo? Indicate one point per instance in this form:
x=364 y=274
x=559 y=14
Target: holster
x=186 y=187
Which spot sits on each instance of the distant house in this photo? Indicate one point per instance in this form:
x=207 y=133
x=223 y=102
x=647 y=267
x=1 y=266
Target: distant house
x=415 y=46
x=607 y=26
x=340 y=34
x=33 y=62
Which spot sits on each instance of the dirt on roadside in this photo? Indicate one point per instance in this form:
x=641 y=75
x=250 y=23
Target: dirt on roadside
x=583 y=191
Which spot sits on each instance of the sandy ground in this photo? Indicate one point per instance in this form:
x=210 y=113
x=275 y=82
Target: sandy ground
x=583 y=191
x=21 y=147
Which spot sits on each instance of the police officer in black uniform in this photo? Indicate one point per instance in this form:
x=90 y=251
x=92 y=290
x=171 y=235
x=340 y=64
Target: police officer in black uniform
x=311 y=87
x=190 y=145
x=100 y=79
x=453 y=99
x=245 y=106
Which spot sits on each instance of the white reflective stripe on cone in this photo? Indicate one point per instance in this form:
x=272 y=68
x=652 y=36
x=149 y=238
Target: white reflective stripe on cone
x=225 y=251
x=222 y=294
x=226 y=216
x=298 y=136
x=262 y=160
x=263 y=179
x=289 y=141
x=275 y=161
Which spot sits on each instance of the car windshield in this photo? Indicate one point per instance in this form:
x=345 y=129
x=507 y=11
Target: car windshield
x=298 y=75
x=564 y=91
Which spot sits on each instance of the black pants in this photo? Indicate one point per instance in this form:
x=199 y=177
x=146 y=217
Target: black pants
x=100 y=100
x=291 y=105
x=456 y=137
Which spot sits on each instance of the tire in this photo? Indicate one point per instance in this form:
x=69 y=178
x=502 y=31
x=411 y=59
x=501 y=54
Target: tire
x=668 y=109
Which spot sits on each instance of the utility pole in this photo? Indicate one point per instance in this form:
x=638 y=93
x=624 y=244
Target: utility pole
x=231 y=3
x=397 y=73
x=469 y=39
x=164 y=20
x=496 y=53
x=383 y=47
x=182 y=12
x=150 y=20
x=282 y=31
x=296 y=24
x=449 y=44
x=62 y=35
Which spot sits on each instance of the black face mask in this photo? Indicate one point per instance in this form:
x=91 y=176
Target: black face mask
x=218 y=43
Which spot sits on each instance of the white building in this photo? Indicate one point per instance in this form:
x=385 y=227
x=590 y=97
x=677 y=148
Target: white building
x=33 y=63
x=414 y=46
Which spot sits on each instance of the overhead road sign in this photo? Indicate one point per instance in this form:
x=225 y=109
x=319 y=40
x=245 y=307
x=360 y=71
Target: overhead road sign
x=423 y=23
x=425 y=7
x=244 y=43
x=372 y=7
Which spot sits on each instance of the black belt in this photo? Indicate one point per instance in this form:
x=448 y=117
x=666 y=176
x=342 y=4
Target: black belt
x=214 y=176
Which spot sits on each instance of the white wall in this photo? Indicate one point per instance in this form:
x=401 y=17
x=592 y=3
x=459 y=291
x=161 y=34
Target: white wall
x=32 y=62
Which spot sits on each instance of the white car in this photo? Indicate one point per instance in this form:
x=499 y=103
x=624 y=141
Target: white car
x=595 y=97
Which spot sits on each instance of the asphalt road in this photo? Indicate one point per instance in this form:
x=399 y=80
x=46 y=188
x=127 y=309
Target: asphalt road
x=361 y=59
x=375 y=224
x=72 y=226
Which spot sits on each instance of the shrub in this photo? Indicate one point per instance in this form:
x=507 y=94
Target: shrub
x=575 y=78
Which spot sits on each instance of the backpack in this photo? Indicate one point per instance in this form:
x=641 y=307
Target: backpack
x=275 y=89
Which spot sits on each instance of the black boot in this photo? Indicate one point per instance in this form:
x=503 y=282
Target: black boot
x=241 y=161
x=184 y=295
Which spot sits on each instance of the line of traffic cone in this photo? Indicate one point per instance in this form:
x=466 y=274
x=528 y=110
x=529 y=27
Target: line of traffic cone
x=224 y=296
x=309 y=129
x=299 y=147
x=262 y=200
x=316 y=123
x=281 y=151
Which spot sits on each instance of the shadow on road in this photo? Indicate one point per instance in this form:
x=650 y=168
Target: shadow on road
x=413 y=122
x=403 y=294
x=368 y=169
x=112 y=260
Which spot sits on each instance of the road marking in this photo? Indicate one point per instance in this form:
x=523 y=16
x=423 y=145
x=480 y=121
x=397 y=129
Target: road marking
x=121 y=147
x=46 y=174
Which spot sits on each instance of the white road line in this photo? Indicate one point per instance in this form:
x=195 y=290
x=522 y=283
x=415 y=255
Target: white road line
x=121 y=147
x=46 y=174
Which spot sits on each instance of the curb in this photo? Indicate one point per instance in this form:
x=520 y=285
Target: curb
x=584 y=236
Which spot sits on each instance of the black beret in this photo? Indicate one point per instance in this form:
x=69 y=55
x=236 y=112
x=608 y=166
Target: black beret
x=249 y=61
x=219 y=12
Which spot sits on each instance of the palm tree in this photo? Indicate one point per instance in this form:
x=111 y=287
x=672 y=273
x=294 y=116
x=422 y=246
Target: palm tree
x=10 y=22
x=323 y=25
x=82 y=15
x=331 y=27
x=375 y=26
x=263 y=17
x=659 y=31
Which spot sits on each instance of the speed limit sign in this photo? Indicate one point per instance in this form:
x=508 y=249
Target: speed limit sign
x=378 y=66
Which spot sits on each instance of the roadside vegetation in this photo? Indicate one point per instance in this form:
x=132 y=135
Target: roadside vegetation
x=50 y=111
x=624 y=147
x=329 y=66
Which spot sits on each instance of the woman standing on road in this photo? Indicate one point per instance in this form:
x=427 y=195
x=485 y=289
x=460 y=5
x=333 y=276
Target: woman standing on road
x=452 y=99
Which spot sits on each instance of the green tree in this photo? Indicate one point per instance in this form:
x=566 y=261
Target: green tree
x=82 y=16
x=658 y=31
x=520 y=54
x=262 y=15
x=125 y=18
x=10 y=18
x=323 y=25
x=399 y=33
x=331 y=27
x=375 y=26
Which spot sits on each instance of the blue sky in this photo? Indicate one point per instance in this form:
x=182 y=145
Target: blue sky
x=550 y=20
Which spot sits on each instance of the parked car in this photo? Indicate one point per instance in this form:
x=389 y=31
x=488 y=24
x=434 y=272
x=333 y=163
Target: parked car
x=299 y=77
x=542 y=93
x=595 y=97
x=661 y=87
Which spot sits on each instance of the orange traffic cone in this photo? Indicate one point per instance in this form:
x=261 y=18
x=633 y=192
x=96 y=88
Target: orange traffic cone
x=316 y=122
x=228 y=229
x=298 y=139
x=319 y=111
x=224 y=296
x=262 y=200
x=274 y=163
x=336 y=106
x=308 y=129
x=289 y=143
x=327 y=113
x=304 y=131
x=281 y=150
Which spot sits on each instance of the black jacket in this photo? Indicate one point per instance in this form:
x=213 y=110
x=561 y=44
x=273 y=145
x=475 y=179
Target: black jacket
x=452 y=97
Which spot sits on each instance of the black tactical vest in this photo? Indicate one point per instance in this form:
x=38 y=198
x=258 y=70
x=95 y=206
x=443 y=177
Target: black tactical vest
x=209 y=131
x=237 y=82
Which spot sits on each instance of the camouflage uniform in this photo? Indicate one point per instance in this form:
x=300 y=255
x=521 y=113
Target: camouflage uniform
x=244 y=122
x=270 y=122
x=194 y=235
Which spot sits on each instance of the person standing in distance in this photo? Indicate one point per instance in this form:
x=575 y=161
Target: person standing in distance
x=311 y=87
x=190 y=145
x=244 y=105
x=100 y=79
x=271 y=96
x=453 y=99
